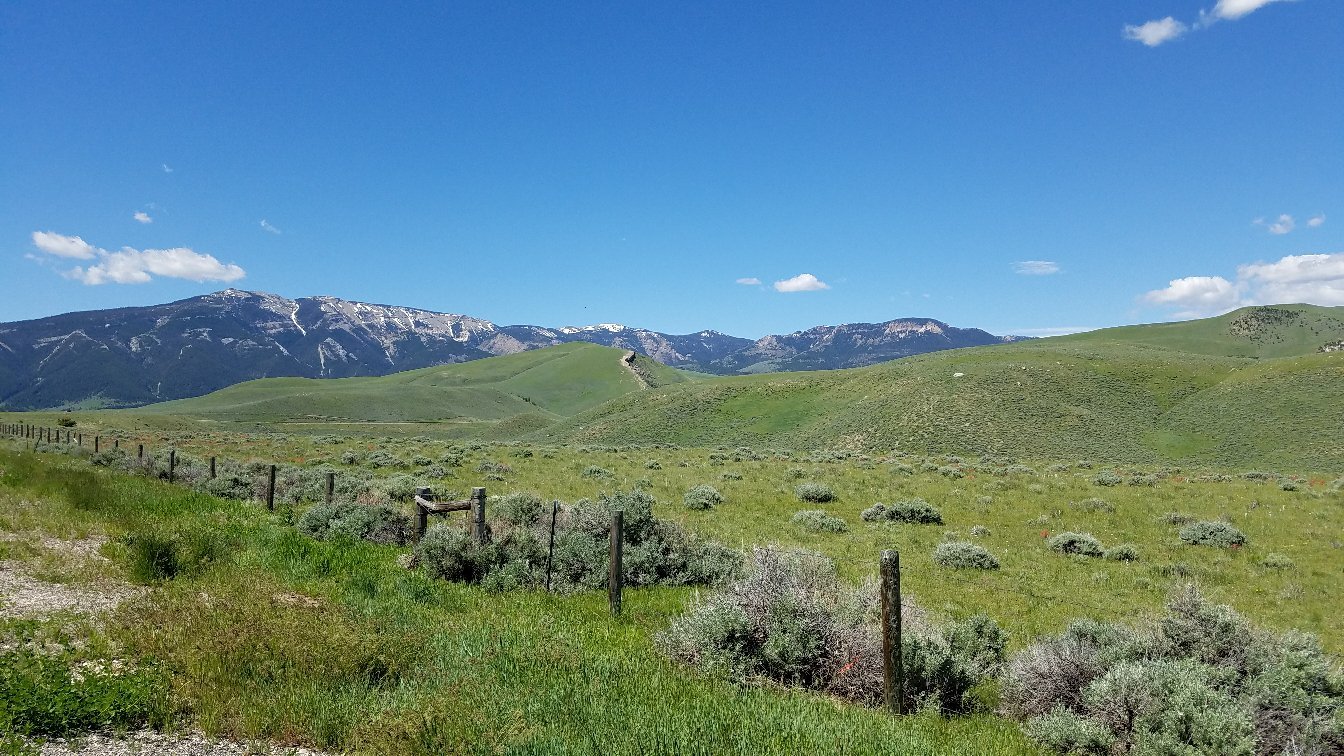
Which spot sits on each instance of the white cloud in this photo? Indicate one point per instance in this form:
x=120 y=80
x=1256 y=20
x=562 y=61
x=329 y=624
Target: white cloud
x=1311 y=279
x=266 y=226
x=1197 y=296
x=1035 y=267
x=167 y=169
x=753 y=281
x=1284 y=225
x=1154 y=33
x=143 y=217
x=133 y=265
x=64 y=246
x=1231 y=10
x=801 y=282
x=1317 y=221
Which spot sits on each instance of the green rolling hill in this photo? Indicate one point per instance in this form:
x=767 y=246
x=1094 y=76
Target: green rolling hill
x=1247 y=389
x=518 y=392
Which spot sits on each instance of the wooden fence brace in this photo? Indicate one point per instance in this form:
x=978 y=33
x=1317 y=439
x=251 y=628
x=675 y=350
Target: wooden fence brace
x=212 y=468
x=172 y=464
x=270 y=490
x=426 y=504
x=893 y=667
x=550 y=549
x=422 y=513
x=331 y=486
x=478 y=515
x=615 y=575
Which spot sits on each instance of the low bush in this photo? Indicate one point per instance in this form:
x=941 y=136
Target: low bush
x=1094 y=505
x=819 y=521
x=593 y=471
x=1177 y=518
x=961 y=555
x=518 y=508
x=1107 y=478
x=1075 y=543
x=373 y=523
x=816 y=493
x=789 y=619
x=1212 y=533
x=979 y=531
x=1125 y=552
x=916 y=511
x=1198 y=679
x=703 y=496
x=1276 y=561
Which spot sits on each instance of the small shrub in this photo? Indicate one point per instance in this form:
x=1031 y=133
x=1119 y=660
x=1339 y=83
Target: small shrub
x=1276 y=561
x=451 y=553
x=1212 y=533
x=1107 y=478
x=979 y=531
x=915 y=511
x=1075 y=543
x=519 y=508
x=593 y=471
x=1125 y=552
x=816 y=493
x=66 y=422
x=1288 y=485
x=1094 y=505
x=961 y=555
x=819 y=521
x=730 y=475
x=1148 y=479
x=703 y=496
x=1068 y=732
x=653 y=464
x=374 y=523
x=1177 y=518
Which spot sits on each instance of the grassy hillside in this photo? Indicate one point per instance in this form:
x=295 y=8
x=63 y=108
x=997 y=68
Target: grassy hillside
x=1125 y=395
x=522 y=391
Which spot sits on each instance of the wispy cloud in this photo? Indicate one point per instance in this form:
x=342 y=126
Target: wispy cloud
x=1159 y=31
x=1284 y=225
x=267 y=227
x=130 y=265
x=749 y=281
x=142 y=217
x=167 y=168
x=1154 y=33
x=1035 y=267
x=1312 y=279
x=64 y=246
x=1317 y=221
x=801 y=282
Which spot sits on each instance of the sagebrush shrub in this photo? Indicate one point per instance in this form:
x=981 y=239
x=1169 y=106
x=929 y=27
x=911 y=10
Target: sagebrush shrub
x=519 y=508
x=1075 y=543
x=961 y=555
x=1094 y=505
x=817 y=493
x=703 y=496
x=1177 y=518
x=819 y=521
x=1107 y=478
x=593 y=471
x=1212 y=533
x=1125 y=552
x=916 y=511
x=373 y=523
x=1276 y=561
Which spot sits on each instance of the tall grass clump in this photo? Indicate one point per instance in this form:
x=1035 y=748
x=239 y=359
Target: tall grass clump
x=1197 y=679
x=789 y=619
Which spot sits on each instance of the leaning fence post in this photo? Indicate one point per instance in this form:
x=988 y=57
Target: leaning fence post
x=550 y=550
x=270 y=490
x=893 y=669
x=478 y=514
x=615 y=576
x=331 y=486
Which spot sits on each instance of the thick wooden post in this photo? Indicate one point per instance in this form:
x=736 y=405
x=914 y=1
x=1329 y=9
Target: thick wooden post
x=97 y=443
x=116 y=443
x=550 y=549
x=270 y=490
x=422 y=514
x=615 y=576
x=212 y=468
x=478 y=514
x=893 y=670
x=331 y=486
x=80 y=436
x=140 y=453
x=172 y=464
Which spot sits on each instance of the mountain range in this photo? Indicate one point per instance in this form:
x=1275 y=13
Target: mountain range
x=139 y=355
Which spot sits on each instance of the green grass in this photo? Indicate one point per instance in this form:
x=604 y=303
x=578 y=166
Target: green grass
x=334 y=645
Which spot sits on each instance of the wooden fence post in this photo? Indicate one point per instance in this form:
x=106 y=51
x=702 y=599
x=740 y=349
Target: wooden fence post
x=478 y=514
x=172 y=464
x=97 y=443
x=270 y=490
x=422 y=514
x=140 y=453
x=116 y=443
x=81 y=440
x=550 y=550
x=212 y=468
x=331 y=487
x=893 y=669
x=615 y=576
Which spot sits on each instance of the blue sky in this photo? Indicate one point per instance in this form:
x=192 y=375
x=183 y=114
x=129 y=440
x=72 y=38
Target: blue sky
x=1019 y=167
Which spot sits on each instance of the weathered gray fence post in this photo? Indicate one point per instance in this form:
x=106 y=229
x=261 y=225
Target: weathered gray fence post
x=550 y=549
x=893 y=669
x=331 y=487
x=116 y=443
x=615 y=575
x=212 y=468
x=478 y=514
x=97 y=443
x=172 y=464
x=270 y=490
x=140 y=453
x=422 y=514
